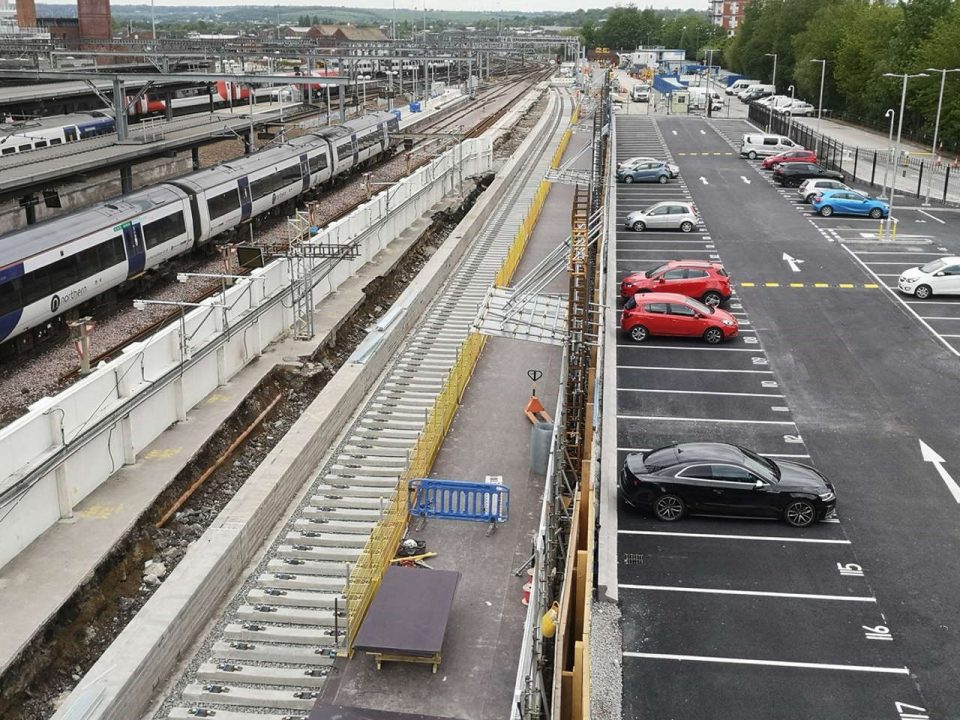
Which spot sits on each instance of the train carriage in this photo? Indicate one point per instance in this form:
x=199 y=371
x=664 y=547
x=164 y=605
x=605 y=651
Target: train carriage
x=53 y=266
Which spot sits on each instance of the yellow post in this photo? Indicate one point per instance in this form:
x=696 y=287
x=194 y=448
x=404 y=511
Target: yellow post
x=894 y=230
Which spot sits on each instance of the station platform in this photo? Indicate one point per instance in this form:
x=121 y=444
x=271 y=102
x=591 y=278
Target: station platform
x=489 y=437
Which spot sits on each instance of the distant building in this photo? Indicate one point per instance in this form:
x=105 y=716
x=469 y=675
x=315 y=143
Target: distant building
x=728 y=14
x=333 y=34
x=664 y=59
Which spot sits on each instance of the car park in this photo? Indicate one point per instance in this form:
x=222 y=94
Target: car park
x=754 y=145
x=792 y=174
x=670 y=314
x=629 y=162
x=670 y=215
x=775 y=161
x=706 y=281
x=937 y=277
x=812 y=187
x=849 y=202
x=724 y=479
x=648 y=171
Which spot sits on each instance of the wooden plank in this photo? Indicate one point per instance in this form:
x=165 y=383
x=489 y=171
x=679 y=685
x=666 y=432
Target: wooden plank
x=580 y=594
x=576 y=701
x=566 y=697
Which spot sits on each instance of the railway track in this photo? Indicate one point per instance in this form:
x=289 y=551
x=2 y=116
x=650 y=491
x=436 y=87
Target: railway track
x=269 y=654
x=503 y=96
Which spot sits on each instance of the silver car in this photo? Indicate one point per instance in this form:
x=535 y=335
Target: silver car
x=812 y=187
x=674 y=170
x=669 y=215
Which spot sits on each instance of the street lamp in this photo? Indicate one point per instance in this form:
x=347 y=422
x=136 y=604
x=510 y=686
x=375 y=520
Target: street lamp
x=936 y=127
x=709 y=52
x=823 y=74
x=790 y=114
x=890 y=113
x=896 y=153
x=773 y=81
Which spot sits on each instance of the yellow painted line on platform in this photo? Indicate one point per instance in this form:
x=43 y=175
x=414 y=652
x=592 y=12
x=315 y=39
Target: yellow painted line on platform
x=747 y=285
x=846 y=286
x=821 y=285
x=163 y=454
x=772 y=284
x=872 y=286
x=796 y=285
x=99 y=512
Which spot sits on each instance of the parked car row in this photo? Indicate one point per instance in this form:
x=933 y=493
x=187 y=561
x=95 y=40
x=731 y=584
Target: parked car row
x=647 y=170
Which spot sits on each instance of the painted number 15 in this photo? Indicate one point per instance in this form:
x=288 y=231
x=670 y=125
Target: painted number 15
x=911 y=712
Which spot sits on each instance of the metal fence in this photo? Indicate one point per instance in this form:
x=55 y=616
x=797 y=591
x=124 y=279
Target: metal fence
x=920 y=177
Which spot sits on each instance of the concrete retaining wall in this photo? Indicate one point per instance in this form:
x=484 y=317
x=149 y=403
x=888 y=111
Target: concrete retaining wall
x=122 y=683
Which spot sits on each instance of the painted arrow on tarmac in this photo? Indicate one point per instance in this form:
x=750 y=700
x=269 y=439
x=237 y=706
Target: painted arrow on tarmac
x=703 y=180
x=674 y=132
x=744 y=178
x=793 y=262
x=703 y=132
x=931 y=456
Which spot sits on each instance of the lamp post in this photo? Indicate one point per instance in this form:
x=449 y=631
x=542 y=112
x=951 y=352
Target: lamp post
x=936 y=126
x=896 y=152
x=773 y=81
x=823 y=74
x=709 y=52
x=890 y=113
x=790 y=114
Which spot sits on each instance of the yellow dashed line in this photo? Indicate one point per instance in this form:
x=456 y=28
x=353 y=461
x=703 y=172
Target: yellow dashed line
x=718 y=153
x=844 y=286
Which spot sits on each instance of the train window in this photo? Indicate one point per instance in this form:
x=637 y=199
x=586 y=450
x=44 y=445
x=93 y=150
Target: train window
x=40 y=143
x=220 y=205
x=393 y=125
x=318 y=163
x=10 y=299
x=63 y=273
x=88 y=262
x=7 y=150
x=55 y=141
x=344 y=151
x=291 y=174
x=23 y=148
x=111 y=253
x=268 y=185
x=164 y=229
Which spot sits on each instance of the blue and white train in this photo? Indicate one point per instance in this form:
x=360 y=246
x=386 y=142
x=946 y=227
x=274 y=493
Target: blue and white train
x=53 y=266
x=19 y=137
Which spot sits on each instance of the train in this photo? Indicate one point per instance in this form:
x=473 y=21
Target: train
x=51 y=267
x=17 y=137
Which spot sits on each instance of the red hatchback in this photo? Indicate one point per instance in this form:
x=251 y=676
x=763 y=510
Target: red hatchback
x=700 y=279
x=671 y=314
x=775 y=161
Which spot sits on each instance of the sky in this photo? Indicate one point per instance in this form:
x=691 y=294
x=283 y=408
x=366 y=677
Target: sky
x=490 y=5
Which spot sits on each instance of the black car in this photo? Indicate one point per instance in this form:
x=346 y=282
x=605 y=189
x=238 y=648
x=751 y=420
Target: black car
x=718 y=478
x=792 y=174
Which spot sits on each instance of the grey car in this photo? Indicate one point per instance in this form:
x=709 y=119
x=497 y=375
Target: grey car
x=668 y=215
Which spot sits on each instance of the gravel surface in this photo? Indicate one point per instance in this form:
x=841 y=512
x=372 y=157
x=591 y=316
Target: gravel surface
x=606 y=648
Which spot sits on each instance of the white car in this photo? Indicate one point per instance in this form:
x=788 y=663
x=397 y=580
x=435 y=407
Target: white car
x=798 y=108
x=670 y=214
x=937 y=277
x=674 y=170
x=809 y=189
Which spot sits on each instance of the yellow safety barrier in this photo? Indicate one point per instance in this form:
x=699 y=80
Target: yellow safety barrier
x=366 y=574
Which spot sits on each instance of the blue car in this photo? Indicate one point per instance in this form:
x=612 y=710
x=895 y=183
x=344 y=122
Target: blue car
x=848 y=202
x=644 y=172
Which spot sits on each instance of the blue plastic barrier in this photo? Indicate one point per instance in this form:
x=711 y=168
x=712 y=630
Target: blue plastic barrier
x=396 y=114
x=414 y=107
x=455 y=500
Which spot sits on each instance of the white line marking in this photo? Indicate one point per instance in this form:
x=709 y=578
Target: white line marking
x=932 y=217
x=765 y=454
x=938 y=317
x=751 y=593
x=699 y=392
x=894 y=294
x=932 y=302
x=678 y=369
x=671 y=418
x=771 y=538
x=643 y=346
x=774 y=663
x=895 y=252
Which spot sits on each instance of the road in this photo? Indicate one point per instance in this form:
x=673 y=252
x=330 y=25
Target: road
x=750 y=619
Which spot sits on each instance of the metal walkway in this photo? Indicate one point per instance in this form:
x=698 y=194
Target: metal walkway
x=267 y=658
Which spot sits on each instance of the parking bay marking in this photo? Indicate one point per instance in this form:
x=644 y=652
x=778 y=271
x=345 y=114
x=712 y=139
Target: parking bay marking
x=750 y=593
x=698 y=392
x=674 y=418
x=764 y=454
x=702 y=370
x=718 y=536
x=773 y=663
x=641 y=346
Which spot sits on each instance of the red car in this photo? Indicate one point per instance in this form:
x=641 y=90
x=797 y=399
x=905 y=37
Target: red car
x=694 y=278
x=775 y=161
x=671 y=314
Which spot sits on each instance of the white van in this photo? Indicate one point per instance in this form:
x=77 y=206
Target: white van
x=640 y=93
x=754 y=145
x=698 y=98
x=740 y=85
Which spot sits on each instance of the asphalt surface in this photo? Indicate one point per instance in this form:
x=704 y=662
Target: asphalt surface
x=855 y=618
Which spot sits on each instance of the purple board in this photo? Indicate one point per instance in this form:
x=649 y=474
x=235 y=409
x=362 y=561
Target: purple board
x=408 y=615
